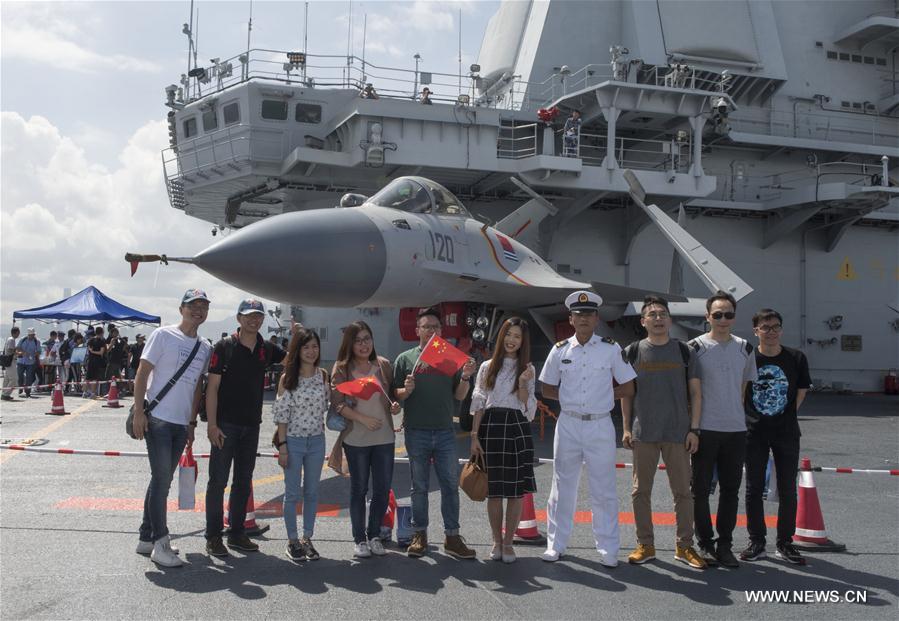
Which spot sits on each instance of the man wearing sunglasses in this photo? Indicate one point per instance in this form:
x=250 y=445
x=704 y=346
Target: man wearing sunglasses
x=726 y=364
x=772 y=402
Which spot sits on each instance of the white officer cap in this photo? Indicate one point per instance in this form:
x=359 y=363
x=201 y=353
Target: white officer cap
x=583 y=301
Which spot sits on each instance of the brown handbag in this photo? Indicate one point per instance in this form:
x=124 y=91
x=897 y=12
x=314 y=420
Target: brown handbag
x=473 y=480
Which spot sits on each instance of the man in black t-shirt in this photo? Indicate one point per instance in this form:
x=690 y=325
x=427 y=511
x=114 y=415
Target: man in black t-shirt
x=96 y=362
x=772 y=403
x=116 y=348
x=134 y=353
x=234 y=413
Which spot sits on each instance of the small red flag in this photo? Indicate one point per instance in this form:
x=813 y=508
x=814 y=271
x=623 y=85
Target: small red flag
x=134 y=265
x=363 y=388
x=441 y=355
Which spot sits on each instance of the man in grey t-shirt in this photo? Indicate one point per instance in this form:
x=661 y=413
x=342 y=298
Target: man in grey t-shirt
x=665 y=423
x=725 y=364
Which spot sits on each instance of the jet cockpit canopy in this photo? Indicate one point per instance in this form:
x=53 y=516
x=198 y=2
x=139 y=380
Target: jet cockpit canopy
x=419 y=195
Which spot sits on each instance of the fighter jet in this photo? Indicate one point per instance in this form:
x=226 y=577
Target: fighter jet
x=412 y=244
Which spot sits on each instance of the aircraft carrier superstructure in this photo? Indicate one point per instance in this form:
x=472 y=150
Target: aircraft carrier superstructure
x=774 y=124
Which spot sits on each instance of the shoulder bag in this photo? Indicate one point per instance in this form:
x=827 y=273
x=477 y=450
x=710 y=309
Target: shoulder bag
x=148 y=407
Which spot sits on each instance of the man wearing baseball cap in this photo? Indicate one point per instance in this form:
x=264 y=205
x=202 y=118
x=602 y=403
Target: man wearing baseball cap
x=170 y=425
x=234 y=413
x=579 y=373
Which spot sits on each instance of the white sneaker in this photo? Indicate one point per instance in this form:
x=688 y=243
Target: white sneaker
x=163 y=554
x=376 y=547
x=607 y=560
x=362 y=550
x=146 y=547
x=551 y=556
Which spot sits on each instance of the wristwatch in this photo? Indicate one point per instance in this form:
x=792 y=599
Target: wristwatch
x=695 y=432
x=192 y=423
x=280 y=444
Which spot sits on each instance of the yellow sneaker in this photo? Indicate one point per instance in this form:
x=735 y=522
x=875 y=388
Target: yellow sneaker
x=687 y=555
x=642 y=554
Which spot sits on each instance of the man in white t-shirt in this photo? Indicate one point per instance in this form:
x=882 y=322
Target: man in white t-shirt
x=170 y=426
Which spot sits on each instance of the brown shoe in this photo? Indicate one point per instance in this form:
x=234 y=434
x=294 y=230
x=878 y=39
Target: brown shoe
x=243 y=543
x=215 y=547
x=455 y=546
x=689 y=556
x=642 y=554
x=419 y=545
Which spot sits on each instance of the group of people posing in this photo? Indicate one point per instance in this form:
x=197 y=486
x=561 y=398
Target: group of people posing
x=689 y=403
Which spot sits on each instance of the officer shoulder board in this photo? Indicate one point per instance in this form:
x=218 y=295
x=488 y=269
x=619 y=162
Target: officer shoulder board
x=561 y=344
x=608 y=339
x=631 y=351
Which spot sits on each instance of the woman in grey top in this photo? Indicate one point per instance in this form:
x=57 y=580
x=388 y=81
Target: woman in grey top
x=368 y=440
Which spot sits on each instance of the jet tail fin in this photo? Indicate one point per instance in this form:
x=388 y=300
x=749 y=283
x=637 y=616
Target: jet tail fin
x=712 y=271
x=522 y=223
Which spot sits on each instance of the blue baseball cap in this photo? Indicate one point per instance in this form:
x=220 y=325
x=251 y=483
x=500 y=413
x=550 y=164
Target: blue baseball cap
x=193 y=294
x=249 y=306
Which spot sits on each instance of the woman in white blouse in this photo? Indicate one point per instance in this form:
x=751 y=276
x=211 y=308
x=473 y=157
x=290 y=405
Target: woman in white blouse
x=503 y=404
x=303 y=398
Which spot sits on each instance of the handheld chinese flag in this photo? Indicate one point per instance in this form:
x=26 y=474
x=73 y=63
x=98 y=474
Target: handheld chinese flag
x=441 y=355
x=363 y=388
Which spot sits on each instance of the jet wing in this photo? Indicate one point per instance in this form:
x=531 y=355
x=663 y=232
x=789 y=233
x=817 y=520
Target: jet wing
x=712 y=271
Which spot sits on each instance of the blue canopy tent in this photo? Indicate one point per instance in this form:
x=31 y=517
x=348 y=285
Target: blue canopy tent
x=88 y=305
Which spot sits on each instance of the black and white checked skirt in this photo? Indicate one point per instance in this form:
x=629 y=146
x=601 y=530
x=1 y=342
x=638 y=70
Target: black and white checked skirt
x=505 y=436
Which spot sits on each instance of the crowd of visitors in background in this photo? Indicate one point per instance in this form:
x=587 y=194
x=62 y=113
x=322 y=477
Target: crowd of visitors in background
x=81 y=362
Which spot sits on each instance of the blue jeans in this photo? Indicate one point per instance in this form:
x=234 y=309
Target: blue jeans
x=26 y=373
x=421 y=445
x=240 y=446
x=307 y=453
x=376 y=462
x=165 y=443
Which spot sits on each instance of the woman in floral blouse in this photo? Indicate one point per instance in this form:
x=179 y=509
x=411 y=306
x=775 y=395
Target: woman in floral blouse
x=299 y=412
x=503 y=406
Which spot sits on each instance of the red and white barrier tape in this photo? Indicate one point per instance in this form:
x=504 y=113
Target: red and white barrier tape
x=542 y=460
x=81 y=384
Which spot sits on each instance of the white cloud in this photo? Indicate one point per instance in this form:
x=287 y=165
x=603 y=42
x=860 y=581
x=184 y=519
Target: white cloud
x=67 y=222
x=35 y=33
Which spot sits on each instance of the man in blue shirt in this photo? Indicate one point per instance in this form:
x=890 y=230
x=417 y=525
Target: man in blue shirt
x=29 y=351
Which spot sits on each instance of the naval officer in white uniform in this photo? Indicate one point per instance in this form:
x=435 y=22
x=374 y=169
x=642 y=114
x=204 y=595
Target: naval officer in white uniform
x=578 y=373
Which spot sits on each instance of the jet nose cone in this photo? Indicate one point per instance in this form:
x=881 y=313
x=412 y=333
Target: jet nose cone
x=322 y=257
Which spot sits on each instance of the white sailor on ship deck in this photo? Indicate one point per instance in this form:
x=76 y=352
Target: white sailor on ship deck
x=579 y=372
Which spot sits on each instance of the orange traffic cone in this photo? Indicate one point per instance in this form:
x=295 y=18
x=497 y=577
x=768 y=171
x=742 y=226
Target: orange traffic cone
x=527 y=532
x=250 y=526
x=810 y=534
x=112 y=399
x=57 y=408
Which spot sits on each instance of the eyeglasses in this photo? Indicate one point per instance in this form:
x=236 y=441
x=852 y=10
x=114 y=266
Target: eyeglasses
x=657 y=315
x=365 y=340
x=766 y=329
x=720 y=315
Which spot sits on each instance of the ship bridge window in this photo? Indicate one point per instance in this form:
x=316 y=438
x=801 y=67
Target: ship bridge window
x=231 y=113
x=308 y=113
x=274 y=109
x=210 y=120
x=190 y=127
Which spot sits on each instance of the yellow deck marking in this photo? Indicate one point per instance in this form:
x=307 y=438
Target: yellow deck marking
x=46 y=431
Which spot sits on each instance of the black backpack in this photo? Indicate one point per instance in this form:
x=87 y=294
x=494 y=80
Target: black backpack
x=228 y=345
x=631 y=351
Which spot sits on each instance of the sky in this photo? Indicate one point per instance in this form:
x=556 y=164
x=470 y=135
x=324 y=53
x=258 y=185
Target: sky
x=83 y=124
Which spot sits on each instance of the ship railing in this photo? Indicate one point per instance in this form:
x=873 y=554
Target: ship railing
x=859 y=128
x=671 y=77
x=517 y=141
x=633 y=152
x=335 y=71
x=210 y=154
x=738 y=186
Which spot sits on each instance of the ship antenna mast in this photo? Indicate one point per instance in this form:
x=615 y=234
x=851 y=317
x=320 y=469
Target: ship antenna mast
x=305 y=37
x=460 y=51
x=249 y=28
